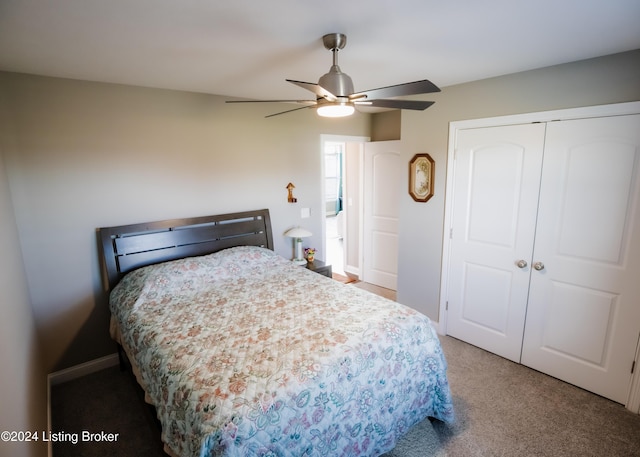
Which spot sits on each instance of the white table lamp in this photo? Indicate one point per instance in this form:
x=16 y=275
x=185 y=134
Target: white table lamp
x=297 y=234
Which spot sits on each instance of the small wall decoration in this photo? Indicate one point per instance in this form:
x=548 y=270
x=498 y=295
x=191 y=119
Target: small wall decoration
x=290 y=197
x=421 y=177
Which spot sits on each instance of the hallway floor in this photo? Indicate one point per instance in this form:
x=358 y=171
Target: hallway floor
x=335 y=256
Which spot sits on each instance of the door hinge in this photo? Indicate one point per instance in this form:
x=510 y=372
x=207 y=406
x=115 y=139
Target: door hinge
x=451 y=233
x=633 y=364
x=446 y=306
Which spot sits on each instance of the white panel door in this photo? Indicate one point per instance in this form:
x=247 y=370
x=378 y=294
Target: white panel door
x=497 y=178
x=584 y=315
x=496 y=182
x=381 y=191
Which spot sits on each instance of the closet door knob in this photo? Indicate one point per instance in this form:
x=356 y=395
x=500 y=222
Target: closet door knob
x=521 y=263
x=538 y=266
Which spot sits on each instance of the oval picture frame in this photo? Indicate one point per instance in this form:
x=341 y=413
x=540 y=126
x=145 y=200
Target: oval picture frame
x=421 y=177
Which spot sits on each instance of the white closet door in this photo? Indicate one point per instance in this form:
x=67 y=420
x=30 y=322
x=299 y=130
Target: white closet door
x=496 y=186
x=583 y=316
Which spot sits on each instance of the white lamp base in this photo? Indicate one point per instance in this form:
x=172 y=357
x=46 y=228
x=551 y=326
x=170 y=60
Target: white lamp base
x=299 y=260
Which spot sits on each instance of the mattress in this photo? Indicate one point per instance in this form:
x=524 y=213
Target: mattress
x=243 y=353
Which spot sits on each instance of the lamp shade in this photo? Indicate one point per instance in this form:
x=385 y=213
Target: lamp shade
x=298 y=232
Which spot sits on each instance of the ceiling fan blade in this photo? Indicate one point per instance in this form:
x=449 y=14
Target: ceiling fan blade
x=395 y=104
x=289 y=111
x=317 y=89
x=417 y=87
x=307 y=102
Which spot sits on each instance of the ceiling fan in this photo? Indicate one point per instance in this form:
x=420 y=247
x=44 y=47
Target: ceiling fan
x=335 y=96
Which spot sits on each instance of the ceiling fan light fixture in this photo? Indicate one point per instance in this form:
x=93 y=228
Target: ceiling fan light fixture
x=335 y=109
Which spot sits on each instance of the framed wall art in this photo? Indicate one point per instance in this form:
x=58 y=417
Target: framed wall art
x=421 y=177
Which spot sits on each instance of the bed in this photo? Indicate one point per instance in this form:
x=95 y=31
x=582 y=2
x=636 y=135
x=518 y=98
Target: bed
x=243 y=353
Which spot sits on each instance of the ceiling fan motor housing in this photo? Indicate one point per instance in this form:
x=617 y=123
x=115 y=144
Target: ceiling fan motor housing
x=336 y=82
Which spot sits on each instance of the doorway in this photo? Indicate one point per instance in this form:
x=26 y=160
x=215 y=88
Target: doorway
x=341 y=205
x=334 y=152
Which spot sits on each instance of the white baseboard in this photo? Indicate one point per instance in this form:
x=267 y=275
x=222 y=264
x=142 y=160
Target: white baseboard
x=350 y=269
x=77 y=371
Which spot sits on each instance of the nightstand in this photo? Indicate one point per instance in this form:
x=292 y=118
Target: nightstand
x=320 y=267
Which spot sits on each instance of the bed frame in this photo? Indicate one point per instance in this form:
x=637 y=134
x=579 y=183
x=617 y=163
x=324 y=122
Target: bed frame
x=127 y=247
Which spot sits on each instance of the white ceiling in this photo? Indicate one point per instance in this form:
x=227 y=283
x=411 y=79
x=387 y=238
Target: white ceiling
x=246 y=48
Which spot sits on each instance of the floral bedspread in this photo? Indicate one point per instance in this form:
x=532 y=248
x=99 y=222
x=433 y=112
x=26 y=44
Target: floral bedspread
x=245 y=354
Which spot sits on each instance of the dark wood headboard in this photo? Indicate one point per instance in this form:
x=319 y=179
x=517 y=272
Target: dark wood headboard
x=127 y=247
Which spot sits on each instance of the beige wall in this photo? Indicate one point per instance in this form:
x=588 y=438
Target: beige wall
x=89 y=155
x=22 y=377
x=611 y=79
